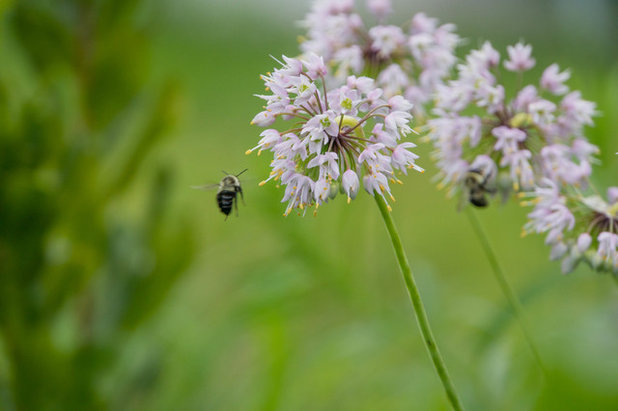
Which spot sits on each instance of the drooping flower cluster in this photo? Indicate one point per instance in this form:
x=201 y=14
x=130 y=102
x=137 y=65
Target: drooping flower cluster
x=579 y=228
x=409 y=63
x=487 y=140
x=536 y=134
x=327 y=148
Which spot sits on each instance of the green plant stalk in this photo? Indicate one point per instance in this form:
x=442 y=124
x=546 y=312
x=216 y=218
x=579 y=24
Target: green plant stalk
x=505 y=286
x=419 y=309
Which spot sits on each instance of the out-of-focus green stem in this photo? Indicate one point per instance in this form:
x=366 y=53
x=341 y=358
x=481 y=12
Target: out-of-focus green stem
x=506 y=288
x=419 y=309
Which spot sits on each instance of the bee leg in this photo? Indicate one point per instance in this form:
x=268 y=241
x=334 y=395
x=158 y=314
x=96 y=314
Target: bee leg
x=236 y=205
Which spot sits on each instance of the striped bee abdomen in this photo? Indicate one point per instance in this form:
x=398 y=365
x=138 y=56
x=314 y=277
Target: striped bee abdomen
x=225 y=200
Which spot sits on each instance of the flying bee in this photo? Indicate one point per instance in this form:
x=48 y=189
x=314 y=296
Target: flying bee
x=227 y=194
x=476 y=184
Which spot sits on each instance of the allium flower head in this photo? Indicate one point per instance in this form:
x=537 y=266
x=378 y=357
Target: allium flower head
x=579 y=228
x=336 y=138
x=536 y=134
x=411 y=63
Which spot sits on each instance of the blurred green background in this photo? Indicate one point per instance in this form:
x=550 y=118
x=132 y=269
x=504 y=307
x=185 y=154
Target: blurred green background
x=122 y=288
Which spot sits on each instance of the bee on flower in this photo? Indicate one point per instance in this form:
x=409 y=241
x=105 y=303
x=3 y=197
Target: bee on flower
x=335 y=138
x=537 y=134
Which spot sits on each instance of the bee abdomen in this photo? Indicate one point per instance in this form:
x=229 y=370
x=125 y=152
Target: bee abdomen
x=478 y=198
x=225 y=200
x=479 y=202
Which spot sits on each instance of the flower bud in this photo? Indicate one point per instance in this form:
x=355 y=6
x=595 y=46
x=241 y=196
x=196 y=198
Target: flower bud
x=583 y=242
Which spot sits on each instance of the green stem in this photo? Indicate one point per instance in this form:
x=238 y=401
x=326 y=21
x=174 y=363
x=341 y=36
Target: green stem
x=507 y=290
x=419 y=309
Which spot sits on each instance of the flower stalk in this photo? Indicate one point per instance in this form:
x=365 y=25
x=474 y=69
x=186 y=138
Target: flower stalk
x=419 y=309
x=504 y=284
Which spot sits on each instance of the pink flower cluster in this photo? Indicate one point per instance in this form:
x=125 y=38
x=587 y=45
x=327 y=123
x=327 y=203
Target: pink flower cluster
x=487 y=140
x=326 y=149
x=579 y=228
x=535 y=135
x=410 y=63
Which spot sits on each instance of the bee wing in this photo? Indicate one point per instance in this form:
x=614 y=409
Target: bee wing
x=206 y=187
